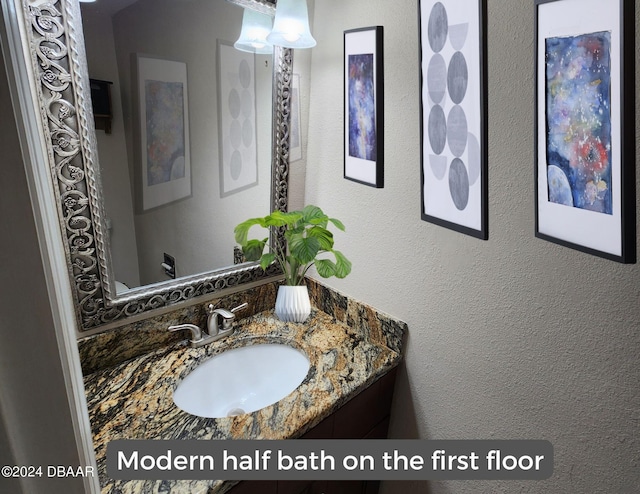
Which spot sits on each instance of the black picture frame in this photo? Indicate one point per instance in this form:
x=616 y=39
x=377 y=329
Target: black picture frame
x=364 y=106
x=585 y=156
x=453 y=115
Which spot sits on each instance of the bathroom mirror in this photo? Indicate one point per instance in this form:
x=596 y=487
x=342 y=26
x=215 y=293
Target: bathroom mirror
x=176 y=181
x=53 y=32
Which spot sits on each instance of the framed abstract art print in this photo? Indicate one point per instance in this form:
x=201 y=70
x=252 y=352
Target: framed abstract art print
x=585 y=148
x=364 y=106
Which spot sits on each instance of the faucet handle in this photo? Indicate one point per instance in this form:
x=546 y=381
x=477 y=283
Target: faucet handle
x=240 y=307
x=226 y=314
x=229 y=315
x=196 y=332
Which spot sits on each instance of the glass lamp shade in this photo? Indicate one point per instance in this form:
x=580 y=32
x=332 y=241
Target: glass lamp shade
x=253 y=36
x=291 y=25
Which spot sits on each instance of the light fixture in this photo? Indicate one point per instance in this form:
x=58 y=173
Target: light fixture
x=253 y=36
x=87 y=1
x=291 y=25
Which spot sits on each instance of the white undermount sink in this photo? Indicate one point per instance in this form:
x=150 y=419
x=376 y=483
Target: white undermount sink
x=241 y=380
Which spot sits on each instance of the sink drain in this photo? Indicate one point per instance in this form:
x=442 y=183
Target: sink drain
x=235 y=411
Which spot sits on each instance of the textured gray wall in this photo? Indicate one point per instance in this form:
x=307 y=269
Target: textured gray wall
x=510 y=338
x=35 y=423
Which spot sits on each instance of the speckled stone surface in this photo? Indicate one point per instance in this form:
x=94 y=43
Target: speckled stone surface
x=376 y=326
x=118 y=345
x=347 y=352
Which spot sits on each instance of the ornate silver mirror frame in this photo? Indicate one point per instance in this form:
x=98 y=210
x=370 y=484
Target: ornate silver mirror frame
x=58 y=61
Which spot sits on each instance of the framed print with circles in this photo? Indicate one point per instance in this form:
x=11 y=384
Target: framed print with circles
x=454 y=115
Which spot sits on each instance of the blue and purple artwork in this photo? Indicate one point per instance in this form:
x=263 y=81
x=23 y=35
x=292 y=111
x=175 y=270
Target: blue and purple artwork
x=578 y=113
x=362 y=110
x=165 y=131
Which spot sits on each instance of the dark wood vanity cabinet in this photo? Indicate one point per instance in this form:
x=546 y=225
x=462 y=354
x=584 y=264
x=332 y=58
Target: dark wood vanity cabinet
x=365 y=416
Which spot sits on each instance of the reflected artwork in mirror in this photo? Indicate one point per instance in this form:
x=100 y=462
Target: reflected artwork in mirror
x=61 y=67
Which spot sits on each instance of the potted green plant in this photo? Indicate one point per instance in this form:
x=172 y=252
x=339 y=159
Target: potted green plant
x=308 y=242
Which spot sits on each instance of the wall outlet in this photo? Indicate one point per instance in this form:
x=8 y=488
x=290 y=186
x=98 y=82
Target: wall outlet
x=169 y=266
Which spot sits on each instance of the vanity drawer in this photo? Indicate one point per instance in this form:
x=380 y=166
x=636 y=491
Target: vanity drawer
x=363 y=415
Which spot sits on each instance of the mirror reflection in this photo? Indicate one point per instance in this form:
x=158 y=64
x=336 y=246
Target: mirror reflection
x=185 y=154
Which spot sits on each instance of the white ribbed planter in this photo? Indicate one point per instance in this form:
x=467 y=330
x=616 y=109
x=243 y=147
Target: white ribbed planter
x=292 y=303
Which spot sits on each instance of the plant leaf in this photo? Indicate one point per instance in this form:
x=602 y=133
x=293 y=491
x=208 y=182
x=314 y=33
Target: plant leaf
x=267 y=259
x=241 y=231
x=303 y=249
x=290 y=232
x=325 y=268
x=252 y=249
x=313 y=215
x=337 y=223
x=324 y=236
x=278 y=218
x=343 y=265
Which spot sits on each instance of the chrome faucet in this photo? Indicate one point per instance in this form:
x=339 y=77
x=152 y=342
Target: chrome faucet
x=214 y=326
x=215 y=329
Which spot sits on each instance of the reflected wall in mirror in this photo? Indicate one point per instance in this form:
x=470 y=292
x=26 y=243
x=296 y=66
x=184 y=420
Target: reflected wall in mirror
x=197 y=231
x=198 y=226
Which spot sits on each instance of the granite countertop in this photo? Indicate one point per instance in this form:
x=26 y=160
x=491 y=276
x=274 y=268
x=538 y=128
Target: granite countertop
x=133 y=400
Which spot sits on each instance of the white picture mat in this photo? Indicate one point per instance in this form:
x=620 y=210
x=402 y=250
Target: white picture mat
x=356 y=43
x=156 y=69
x=229 y=62
x=602 y=232
x=437 y=196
